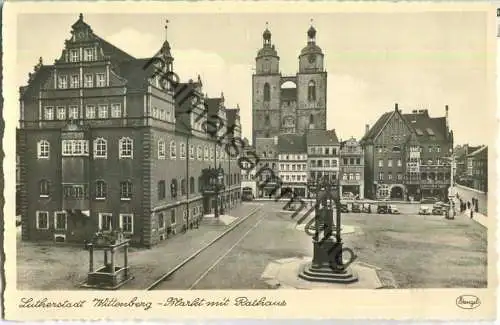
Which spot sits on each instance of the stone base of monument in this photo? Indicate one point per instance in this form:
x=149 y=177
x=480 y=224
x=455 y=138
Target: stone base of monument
x=326 y=273
x=328 y=253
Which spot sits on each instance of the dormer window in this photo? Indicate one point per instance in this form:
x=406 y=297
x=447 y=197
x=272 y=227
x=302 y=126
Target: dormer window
x=74 y=55
x=89 y=54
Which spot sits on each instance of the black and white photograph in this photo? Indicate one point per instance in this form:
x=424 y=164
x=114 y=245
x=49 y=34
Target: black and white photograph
x=258 y=149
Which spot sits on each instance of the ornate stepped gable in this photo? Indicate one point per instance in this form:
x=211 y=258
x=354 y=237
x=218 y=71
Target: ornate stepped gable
x=125 y=70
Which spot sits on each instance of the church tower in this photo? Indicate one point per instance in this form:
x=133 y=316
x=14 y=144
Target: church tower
x=311 y=86
x=266 y=91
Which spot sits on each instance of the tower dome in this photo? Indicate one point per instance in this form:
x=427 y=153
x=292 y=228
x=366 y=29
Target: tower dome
x=311 y=32
x=266 y=35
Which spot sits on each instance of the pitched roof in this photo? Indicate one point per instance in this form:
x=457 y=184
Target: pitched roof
x=213 y=106
x=135 y=72
x=482 y=149
x=292 y=143
x=377 y=127
x=115 y=54
x=231 y=114
x=322 y=137
x=426 y=127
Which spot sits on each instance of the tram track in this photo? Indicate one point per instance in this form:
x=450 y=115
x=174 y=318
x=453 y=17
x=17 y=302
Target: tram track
x=190 y=272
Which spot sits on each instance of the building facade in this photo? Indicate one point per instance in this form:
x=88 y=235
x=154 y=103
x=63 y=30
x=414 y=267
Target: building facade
x=288 y=104
x=352 y=169
x=461 y=172
x=293 y=164
x=103 y=145
x=323 y=152
x=406 y=156
x=266 y=169
x=477 y=169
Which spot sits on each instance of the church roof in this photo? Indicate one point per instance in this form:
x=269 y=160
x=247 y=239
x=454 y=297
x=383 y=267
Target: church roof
x=311 y=48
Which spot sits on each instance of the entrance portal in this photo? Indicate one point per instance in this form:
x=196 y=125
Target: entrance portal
x=397 y=192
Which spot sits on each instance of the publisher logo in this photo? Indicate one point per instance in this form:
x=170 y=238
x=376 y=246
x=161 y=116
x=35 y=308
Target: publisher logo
x=468 y=302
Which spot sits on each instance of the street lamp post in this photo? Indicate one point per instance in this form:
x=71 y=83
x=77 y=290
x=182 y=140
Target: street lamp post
x=327 y=264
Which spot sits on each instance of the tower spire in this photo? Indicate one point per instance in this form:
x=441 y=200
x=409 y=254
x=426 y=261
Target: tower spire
x=166 y=28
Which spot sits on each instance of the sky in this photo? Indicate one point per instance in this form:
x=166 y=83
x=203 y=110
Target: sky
x=421 y=60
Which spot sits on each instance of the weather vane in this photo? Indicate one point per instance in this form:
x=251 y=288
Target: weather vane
x=166 y=27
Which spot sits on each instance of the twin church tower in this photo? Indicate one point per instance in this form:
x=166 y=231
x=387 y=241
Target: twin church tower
x=280 y=110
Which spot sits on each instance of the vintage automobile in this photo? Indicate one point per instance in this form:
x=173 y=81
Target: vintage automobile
x=393 y=209
x=437 y=209
x=383 y=208
x=344 y=208
x=356 y=208
x=367 y=208
x=424 y=210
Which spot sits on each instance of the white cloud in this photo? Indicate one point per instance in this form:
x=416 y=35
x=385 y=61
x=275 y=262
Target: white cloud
x=135 y=43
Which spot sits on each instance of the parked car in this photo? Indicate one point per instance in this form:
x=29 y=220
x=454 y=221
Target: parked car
x=383 y=208
x=425 y=210
x=393 y=209
x=426 y=205
x=356 y=208
x=367 y=208
x=437 y=209
x=344 y=208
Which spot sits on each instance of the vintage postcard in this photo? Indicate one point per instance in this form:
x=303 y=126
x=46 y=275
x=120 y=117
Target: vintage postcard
x=250 y=160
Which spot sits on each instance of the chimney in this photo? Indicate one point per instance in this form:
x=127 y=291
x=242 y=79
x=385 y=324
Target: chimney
x=275 y=140
x=396 y=107
x=446 y=118
x=367 y=128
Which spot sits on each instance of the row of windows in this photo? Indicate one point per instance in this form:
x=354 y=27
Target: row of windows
x=323 y=151
x=164 y=114
x=324 y=163
x=295 y=178
x=101 y=111
x=351 y=176
x=432 y=148
x=126 y=149
x=293 y=157
x=81 y=147
x=381 y=176
x=293 y=167
x=320 y=175
x=89 y=81
x=126 y=222
x=389 y=162
x=89 y=54
x=80 y=191
x=195 y=212
x=352 y=161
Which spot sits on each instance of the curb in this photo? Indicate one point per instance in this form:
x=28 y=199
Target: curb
x=189 y=258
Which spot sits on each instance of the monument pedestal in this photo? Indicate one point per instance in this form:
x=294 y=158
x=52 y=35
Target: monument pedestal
x=327 y=264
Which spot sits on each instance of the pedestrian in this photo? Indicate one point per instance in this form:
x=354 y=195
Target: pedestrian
x=471 y=213
x=468 y=204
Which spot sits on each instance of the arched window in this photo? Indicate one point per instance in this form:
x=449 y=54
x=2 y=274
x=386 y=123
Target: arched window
x=206 y=152
x=173 y=149
x=191 y=185
x=183 y=151
x=161 y=149
x=396 y=149
x=126 y=148
x=100 y=148
x=101 y=190
x=311 y=119
x=200 y=183
x=183 y=187
x=173 y=188
x=267 y=92
x=44 y=188
x=311 y=90
x=199 y=153
x=43 y=149
x=267 y=119
x=126 y=190
x=191 y=151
